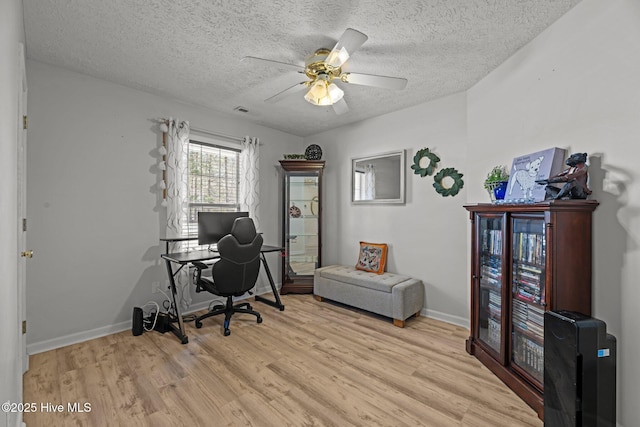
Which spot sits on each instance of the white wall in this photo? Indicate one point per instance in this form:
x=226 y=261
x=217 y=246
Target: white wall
x=427 y=235
x=95 y=214
x=577 y=86
x=11 y=34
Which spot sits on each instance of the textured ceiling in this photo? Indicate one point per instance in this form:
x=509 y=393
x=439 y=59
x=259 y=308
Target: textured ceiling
x=191 y=50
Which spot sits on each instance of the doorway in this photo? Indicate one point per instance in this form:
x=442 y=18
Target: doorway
x=24 y=253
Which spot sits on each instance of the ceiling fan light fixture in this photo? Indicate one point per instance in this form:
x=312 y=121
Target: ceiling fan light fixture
x=323 y=93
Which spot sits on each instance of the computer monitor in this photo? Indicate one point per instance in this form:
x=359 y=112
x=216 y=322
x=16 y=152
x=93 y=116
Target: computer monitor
x=213 y=226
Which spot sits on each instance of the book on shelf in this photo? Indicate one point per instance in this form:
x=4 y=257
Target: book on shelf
x=523 y=295
x=527 y=285
x=494 y=311
x=494 y=261
x=491 y=271
x=530 y=268
x=495 y=304
x=491 y=276
x=492 y=283
x=529 y=355
x=494 y=332
x=529 y=247
x=492 y=241
x=526 y=276
x=529 y=295
x=528 y=318
x=494 y=297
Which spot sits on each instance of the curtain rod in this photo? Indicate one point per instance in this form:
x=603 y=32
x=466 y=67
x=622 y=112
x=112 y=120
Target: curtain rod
x=216 y=134
x=208 y=132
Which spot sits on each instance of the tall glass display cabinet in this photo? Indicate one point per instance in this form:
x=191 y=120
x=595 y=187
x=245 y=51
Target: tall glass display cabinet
x=526 y=259
x=302 y=223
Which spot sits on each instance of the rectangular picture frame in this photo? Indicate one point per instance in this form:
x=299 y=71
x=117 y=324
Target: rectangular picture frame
x=529 y=168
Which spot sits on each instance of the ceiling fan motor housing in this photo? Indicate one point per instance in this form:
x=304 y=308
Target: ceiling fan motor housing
x=316 y=66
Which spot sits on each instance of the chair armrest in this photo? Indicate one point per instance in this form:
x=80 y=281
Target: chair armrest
x=197 y=274
x=200 y=265
x=201 y=283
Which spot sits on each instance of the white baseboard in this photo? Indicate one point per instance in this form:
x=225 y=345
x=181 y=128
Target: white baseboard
x=54 y=343
x=261 y=289
x=455 y=320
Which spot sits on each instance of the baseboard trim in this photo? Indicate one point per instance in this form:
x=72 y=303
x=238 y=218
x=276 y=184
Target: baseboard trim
x=78 y=337
x=455 y=320
x=66 y=340
x=59 y=342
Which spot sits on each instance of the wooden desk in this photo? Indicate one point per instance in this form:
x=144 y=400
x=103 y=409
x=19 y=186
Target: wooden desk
x=185 y=258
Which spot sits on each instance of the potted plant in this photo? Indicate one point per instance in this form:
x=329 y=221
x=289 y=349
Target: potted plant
x=496 y=182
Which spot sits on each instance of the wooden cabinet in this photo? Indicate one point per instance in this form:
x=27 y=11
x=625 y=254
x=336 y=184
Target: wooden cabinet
x=302 y=223
x=526 y=259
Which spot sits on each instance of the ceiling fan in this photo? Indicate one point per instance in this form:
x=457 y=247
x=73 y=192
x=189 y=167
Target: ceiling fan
x=324 y=68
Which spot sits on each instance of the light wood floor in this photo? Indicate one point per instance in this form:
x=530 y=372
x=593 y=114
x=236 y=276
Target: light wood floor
x=314 y=364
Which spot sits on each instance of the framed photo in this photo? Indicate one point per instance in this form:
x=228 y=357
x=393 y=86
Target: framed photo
x=527 y=169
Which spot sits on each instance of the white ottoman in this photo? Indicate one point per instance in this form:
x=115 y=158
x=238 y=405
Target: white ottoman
x=392 y=295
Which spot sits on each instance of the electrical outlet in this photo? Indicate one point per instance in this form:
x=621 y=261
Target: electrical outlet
x=155 y=287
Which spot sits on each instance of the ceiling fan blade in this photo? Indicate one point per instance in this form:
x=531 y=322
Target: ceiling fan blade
x=293 y=89
x=271 y=63
x=349 y=42
x=373 y=80
x=340 y=107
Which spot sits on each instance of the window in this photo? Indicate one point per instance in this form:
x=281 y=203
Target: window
x=214 y=180
x=358 y=185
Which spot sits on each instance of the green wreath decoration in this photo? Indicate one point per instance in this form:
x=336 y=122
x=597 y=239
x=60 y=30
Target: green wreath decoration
x=458 y=183
x=433 y=161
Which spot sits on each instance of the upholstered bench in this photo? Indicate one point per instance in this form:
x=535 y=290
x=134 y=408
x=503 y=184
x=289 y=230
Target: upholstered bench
x=387 y=294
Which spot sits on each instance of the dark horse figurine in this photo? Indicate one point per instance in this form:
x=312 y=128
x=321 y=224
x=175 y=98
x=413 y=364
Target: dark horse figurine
x=574 y=178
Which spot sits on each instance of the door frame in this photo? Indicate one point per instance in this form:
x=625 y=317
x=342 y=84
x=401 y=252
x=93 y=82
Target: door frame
x=22 y=204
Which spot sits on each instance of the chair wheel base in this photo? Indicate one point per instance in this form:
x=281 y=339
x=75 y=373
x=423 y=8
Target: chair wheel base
x=198 y=324
x=259 y=320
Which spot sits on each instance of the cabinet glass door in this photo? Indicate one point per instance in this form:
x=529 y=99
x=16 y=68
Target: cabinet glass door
x=490 y=309
x=301 y=240
x=528 y=295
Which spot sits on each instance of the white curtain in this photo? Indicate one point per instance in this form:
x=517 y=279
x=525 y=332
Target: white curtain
x=369 y=182
x=249 y=178
x=177 y=201
x=177 y=174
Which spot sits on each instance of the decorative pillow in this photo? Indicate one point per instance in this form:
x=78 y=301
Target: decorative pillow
x=372 y=257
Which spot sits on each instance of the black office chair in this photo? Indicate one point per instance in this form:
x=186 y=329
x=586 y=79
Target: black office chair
x=234 y=273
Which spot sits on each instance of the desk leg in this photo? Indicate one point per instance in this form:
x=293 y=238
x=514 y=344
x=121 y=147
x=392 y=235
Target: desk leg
x=277 y=303
x=179 y=332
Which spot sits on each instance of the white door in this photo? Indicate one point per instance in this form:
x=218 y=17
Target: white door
x=24 y=253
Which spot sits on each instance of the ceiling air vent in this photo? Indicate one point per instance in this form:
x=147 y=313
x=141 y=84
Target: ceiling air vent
x=241 y=109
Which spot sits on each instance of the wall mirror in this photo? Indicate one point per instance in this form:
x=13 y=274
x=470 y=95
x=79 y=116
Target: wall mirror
x=378 y=178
